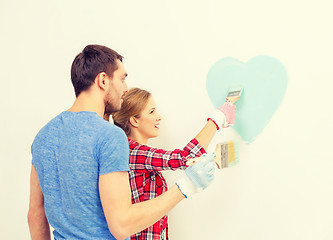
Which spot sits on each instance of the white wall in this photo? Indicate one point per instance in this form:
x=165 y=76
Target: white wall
x=282 y=188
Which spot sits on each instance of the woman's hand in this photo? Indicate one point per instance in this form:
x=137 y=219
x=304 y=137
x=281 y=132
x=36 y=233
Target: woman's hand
x=224 y=116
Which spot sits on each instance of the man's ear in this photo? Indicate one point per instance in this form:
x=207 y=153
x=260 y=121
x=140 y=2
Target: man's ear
x=134 y=121
x=102 y=80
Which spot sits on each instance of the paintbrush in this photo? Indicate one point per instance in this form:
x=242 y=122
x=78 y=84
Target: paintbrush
x=234 y=94
x=227 y=154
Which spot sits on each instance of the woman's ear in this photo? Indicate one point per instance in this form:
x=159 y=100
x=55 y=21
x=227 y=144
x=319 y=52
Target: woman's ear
x=134 y=122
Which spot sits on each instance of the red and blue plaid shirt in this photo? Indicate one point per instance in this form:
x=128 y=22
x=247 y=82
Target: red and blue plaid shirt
x=147 y=182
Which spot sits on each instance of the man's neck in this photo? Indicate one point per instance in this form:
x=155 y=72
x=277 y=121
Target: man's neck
x=88 y=102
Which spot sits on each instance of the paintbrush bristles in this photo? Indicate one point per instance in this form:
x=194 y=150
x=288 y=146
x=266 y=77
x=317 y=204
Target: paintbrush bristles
x=226 y=154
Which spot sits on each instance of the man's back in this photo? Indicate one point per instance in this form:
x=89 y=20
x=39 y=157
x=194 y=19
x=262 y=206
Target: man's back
x=69 y=154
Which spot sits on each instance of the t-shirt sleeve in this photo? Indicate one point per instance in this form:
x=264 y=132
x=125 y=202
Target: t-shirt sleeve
x=113 y=151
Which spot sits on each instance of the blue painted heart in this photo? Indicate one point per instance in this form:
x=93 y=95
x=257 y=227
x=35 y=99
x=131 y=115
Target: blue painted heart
x=264 y=80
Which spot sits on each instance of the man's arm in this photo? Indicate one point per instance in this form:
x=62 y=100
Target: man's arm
x=125 y=218
x=38 y=224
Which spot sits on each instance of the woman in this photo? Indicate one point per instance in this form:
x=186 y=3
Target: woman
x=139 y=119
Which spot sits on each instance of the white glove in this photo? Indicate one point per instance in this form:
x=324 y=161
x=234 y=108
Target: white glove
x=198 y=176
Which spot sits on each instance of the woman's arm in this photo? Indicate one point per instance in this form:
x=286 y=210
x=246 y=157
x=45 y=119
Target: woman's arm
x=206 y=134
x=224 y=116
x=143 y=157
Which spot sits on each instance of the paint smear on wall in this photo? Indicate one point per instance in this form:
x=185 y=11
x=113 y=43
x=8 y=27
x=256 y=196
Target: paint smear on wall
x=264 y=80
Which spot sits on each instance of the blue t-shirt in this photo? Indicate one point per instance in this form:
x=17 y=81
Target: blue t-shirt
x=69 y=154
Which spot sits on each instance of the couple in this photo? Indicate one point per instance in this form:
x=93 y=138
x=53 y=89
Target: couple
x=85 y=184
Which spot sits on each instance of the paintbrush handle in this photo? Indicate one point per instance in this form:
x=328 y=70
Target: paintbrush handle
x=233 y=99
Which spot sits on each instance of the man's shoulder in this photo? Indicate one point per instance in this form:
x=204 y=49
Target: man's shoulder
x=106 y=128
x=48 y=126
x=89 y=123
x=112 y=133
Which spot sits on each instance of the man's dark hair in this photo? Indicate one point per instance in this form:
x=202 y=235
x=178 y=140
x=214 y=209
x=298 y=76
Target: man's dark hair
x=93 y=60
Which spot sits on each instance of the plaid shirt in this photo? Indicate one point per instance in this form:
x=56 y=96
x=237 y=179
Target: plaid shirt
x=147 y=182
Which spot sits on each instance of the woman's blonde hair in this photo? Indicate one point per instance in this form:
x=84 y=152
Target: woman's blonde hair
x=135 y=101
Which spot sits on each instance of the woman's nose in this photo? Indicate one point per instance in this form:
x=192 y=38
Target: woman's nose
x=159 y=118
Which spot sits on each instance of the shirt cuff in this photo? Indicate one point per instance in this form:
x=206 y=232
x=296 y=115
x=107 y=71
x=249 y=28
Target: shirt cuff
x=195 y=148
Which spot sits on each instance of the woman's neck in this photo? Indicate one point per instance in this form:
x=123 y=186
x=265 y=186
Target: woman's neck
x=138 y=138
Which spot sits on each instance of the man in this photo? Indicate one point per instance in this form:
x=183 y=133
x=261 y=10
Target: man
x=79 y=175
